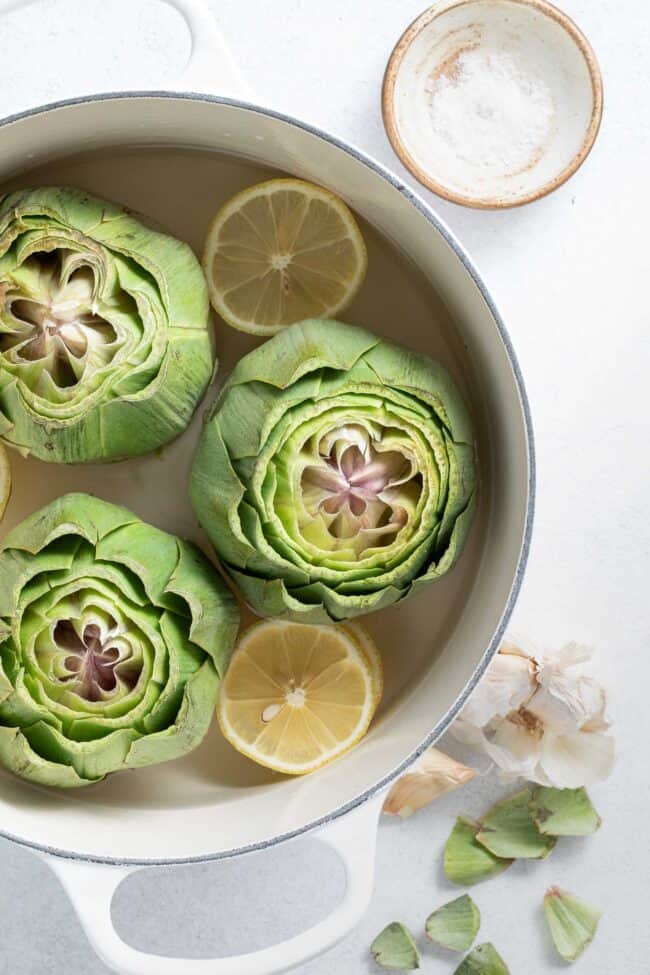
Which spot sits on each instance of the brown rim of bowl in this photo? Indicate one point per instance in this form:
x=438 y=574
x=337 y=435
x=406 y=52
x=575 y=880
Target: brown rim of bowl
x=496 y=203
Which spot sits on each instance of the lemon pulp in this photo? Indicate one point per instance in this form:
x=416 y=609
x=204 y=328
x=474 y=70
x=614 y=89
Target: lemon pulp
x=295 y=697
x=280 y=252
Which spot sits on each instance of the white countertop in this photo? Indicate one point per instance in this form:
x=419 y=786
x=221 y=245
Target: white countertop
x=570 y=275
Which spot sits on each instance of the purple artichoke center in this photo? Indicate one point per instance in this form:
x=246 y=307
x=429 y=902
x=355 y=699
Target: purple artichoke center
x=53 y=309
x=360 y=488
x=91 y=660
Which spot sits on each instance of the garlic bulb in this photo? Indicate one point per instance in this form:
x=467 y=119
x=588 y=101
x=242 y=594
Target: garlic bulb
x=542 y=719
x=432 y=775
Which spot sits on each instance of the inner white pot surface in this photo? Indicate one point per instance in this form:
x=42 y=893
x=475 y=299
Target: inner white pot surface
x=176 y=159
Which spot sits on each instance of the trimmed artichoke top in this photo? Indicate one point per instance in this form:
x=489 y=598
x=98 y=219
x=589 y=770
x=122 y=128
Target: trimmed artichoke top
x=113 y=638
x=104 y=343
x=335 y=475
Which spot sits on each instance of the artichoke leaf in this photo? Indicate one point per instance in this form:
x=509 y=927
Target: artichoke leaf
x=466 y=861
x=563 y=812
x=508 y=829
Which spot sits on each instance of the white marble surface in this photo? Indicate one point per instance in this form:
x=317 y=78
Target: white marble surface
x=570 y=274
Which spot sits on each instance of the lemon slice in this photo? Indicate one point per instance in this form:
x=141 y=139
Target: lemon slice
x=295 y=697
x=5 y=479
x=280 y=252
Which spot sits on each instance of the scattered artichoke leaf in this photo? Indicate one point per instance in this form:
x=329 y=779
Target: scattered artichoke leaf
x=563 y=812
x=455 y=924
x=394 y=947
x=483 y=960
x=571 y=921
x=433 y=775
x=508 y=829
x=466 y=861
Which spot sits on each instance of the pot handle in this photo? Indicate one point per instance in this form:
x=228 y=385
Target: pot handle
x=91 y=886
x=210 y=67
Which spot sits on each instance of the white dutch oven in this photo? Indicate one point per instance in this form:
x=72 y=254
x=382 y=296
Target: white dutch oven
x=163 y=154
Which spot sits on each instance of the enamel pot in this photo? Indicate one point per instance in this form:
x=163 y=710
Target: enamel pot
x=175 y=155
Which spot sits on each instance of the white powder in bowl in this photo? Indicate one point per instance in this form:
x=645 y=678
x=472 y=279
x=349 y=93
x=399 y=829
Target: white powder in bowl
x=491 y=102
x=489 y=111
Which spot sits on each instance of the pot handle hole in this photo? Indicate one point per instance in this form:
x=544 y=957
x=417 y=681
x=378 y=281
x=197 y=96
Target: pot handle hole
x=91 y=887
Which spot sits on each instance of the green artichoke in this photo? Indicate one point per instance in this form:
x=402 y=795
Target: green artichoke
x=335 y=475
x=105 y=349
x=113 y=638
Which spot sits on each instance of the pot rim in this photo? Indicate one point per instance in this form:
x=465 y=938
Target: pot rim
x=438 y=223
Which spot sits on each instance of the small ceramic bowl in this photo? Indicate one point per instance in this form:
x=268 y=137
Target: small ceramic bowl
x=526 y=49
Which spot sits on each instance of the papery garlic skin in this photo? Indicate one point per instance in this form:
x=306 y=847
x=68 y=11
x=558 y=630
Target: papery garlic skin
x=433 y=775
x=508 y=684
x=543 y=719
x=567 y=699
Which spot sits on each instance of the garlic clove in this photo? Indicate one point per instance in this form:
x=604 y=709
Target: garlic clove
x=572 y=654
x=567 y=699
x=513 y=748
x=468 y=733
x=571 y=921
x=540 y=718
x=506 y=686
x=433 y=775
x=566 y=703
x=569 y=761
